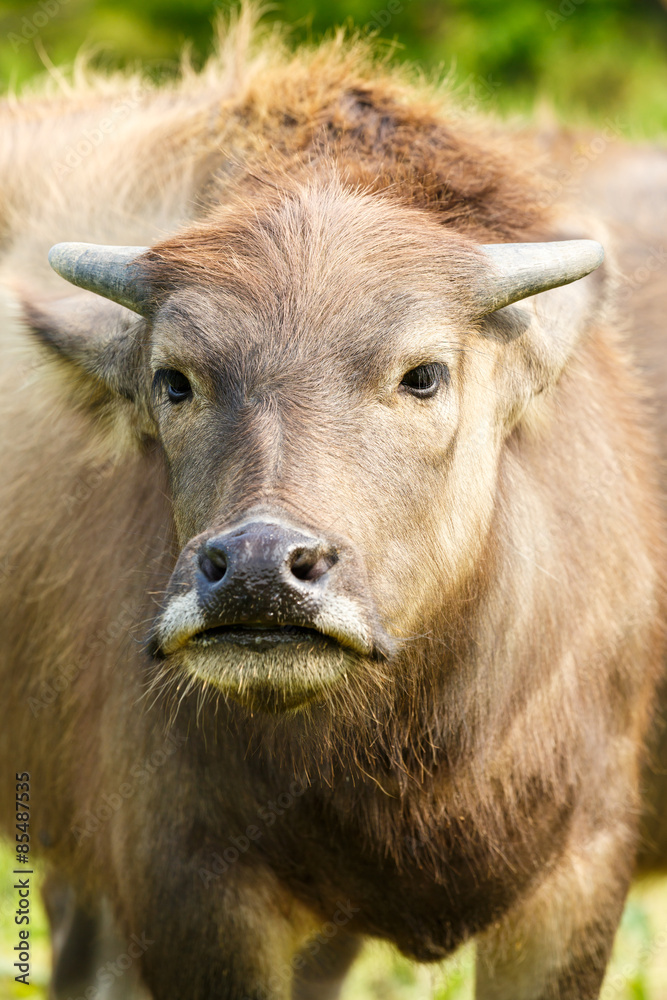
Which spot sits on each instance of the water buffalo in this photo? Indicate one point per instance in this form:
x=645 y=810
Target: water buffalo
x=333 y=535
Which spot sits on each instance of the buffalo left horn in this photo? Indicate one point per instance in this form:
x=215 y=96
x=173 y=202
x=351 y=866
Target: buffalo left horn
x=107 y=270
x=518 y=270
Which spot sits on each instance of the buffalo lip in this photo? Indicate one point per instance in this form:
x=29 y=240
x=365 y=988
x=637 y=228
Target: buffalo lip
x=325 y=630
x=260 y=636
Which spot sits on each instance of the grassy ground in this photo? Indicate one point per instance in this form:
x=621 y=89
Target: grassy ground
x=638 y=970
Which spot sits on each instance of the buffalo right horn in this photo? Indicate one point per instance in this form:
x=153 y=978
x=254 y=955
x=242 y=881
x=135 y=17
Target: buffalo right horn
x=107 y=270
x=518 y=270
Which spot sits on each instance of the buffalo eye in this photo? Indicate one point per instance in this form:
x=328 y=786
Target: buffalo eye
x=177 y=385
x=424 y=380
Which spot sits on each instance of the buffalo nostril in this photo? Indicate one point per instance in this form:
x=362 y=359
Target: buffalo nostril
x=213 y=565
x=311 y=566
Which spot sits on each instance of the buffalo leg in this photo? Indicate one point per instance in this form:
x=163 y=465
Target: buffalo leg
x=322 y=969
x=653 y=842
x=556 y=944
x=235 y=937
x=88 y=952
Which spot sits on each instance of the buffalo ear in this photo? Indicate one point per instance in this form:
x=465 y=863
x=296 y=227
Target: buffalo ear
x=101 y=341
x=541 y=334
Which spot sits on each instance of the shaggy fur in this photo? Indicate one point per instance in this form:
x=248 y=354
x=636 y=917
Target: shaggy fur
x=313 y=223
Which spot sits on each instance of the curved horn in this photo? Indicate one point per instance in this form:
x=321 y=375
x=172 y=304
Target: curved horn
x=107 y=270
x=521 y=269
x=518 y=270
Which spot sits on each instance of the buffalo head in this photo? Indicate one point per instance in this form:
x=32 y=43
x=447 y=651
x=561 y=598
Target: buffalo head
x=332 y=378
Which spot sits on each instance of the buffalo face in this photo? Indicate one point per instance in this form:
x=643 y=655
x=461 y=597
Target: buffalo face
x=331 y=387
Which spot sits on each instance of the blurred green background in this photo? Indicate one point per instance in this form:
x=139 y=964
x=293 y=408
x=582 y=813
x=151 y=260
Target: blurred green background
x=587 y=58
x=583 y=60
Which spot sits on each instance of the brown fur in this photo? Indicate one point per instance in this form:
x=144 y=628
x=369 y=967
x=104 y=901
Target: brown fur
x=483 y=778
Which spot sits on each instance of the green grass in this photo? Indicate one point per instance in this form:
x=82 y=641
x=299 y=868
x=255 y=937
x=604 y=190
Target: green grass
x=585 y=59
x=638 y=970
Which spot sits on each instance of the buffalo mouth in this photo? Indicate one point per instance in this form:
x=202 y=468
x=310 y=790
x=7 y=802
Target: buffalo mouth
x=265 y=666
x=260 y=637
x=336 y=627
